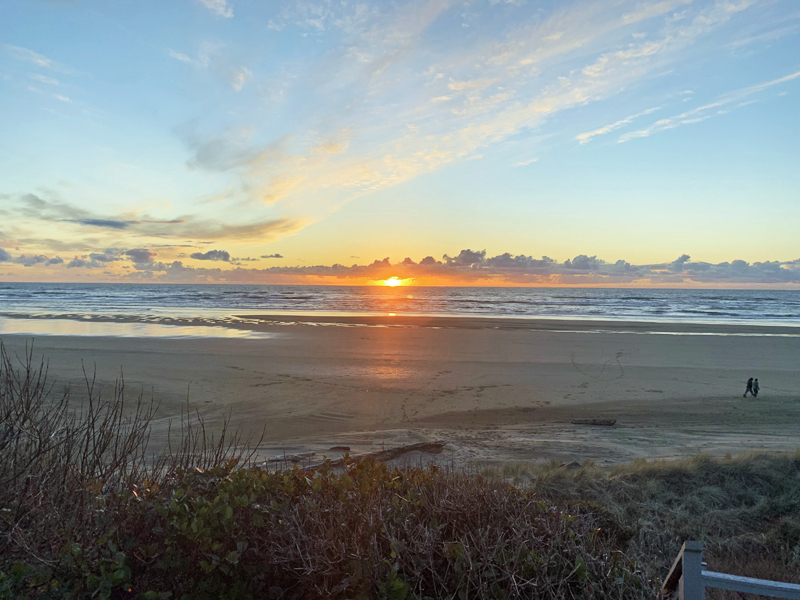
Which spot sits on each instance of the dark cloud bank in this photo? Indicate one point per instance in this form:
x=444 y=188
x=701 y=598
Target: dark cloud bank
x=29 y=260
x=185 y=227
x=466 y=267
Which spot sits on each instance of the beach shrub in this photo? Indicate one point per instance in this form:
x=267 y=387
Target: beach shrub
x=367 y=532
x=62 y=462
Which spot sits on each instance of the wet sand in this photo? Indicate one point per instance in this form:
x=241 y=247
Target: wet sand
x=496 y=389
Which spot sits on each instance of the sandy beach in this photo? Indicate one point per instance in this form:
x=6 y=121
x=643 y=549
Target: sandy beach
x=494 y=389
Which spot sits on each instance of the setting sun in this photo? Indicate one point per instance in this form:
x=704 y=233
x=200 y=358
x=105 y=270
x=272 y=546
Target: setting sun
x=393 y=282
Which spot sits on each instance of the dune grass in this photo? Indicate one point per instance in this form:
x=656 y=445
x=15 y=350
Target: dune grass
x=86 y=511
x=745 y=509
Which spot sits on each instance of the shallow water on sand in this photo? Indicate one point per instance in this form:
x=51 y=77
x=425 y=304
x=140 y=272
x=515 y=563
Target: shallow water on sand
x=35 y=327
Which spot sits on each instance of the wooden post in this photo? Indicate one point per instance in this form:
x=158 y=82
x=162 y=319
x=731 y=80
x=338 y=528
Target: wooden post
x=692 y=586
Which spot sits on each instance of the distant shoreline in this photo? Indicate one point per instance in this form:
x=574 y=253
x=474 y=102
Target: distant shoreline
x=263 y=322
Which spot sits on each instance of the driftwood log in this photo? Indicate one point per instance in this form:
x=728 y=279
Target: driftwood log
x=391 y=453
x=291 y=457
x=606 y=422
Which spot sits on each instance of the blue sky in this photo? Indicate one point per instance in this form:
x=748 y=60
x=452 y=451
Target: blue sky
x=139 y=136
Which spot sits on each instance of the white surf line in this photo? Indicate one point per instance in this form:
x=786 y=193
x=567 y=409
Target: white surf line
x=680 y=333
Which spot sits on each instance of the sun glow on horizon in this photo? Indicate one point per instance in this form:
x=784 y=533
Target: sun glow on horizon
x=393 y=282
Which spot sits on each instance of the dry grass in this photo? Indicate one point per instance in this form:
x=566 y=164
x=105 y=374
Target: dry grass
x=745 y=509
x=57 y=457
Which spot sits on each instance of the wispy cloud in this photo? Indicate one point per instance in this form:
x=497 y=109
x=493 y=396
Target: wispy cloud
x=27 y=55
x=179 y=56
x=470 y=99
x=472 y=85
x=656 y=9
x=790 y=25
x=706 y=111
x=44 y=79
x=240 y=77
x=221 y=8
x=585 y=138
x=30 y=56
x=210 y=56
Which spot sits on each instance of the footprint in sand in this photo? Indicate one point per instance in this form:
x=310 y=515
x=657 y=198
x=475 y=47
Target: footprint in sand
x=403 y=407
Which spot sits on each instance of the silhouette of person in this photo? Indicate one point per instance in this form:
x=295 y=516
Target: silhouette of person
x=749 y=388
x=755 y=388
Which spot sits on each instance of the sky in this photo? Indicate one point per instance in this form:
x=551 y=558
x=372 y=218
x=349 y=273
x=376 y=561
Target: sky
x=440 y=142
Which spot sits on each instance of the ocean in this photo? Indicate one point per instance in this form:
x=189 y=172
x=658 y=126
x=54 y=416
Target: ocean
x=151 y=301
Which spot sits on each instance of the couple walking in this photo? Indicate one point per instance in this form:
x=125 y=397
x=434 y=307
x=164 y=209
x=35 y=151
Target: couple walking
x=752 y=388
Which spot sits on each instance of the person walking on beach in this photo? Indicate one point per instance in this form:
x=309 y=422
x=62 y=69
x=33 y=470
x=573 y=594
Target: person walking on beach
x=755 y=388
x=749 y=388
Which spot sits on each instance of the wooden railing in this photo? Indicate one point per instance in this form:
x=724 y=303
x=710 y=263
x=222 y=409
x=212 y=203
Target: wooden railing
x=688 y=579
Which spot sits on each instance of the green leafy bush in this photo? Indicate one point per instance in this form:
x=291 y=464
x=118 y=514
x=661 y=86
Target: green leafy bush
x=368 y=532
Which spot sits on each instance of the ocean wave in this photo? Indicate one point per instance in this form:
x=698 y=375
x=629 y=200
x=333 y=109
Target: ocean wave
x=190 y=300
